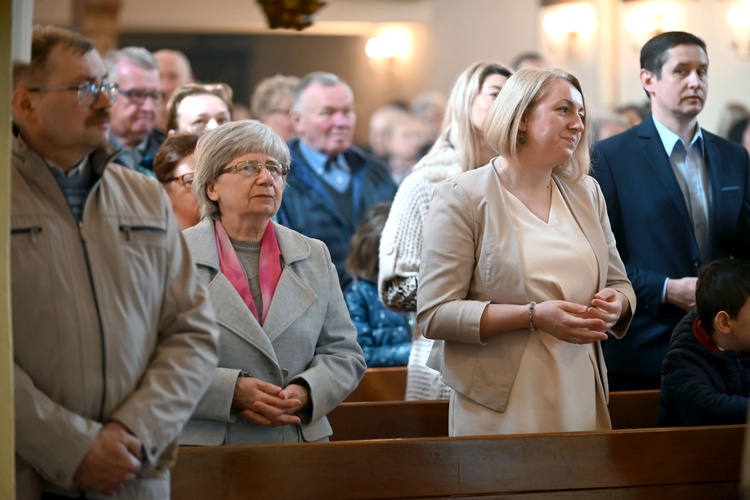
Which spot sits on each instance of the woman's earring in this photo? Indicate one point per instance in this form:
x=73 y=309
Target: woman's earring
x=521 y=139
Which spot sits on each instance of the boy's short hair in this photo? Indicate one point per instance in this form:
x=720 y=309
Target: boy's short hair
x=723 y=285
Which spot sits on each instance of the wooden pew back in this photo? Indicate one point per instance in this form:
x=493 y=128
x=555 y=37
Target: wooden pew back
x=423 y=419
x=381 y=384
x=699 y=462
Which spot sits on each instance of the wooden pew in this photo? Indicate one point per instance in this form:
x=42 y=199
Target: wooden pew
x=381 y=384
x=633 y=409
x=686 y=463
x=423 y=419
x=389 y=384
x=389 y=420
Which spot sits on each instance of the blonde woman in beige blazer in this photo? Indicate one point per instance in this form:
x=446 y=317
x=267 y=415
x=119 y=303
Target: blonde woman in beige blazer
x=520 y=274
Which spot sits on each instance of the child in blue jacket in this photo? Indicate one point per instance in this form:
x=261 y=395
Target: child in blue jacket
x=385 y=336
x=705 y=374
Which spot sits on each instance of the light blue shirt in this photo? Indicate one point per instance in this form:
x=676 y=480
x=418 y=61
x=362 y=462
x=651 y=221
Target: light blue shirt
x=335 y=172
x=689 y=167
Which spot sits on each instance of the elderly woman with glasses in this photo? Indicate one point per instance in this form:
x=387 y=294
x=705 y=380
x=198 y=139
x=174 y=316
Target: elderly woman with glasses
x=174 y=167
x=289 y=351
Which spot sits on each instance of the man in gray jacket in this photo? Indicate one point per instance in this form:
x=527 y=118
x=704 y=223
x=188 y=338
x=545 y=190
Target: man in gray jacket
x=114 y=340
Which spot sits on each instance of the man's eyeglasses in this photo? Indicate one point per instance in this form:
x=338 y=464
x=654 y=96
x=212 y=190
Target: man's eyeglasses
x=185 y=179
x=88 y=93
x=137 y=96
x=251 y=168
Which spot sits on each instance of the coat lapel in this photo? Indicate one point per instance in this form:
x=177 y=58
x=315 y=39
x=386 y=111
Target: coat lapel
x=653 y=150
x=310 y=182
x=292 y=296
x=231 y=311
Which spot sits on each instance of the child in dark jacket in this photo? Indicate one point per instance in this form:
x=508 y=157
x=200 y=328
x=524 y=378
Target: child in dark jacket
x=385 y=336
x=705 y=372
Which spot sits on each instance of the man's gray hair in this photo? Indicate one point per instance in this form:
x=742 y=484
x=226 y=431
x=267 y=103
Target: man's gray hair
x=322 y=78
x=134 y=55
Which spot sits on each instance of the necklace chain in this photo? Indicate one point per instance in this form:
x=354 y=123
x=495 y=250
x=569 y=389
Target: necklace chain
x=520 y=198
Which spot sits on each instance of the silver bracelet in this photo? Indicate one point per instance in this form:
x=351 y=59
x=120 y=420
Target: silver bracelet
x=531 y=316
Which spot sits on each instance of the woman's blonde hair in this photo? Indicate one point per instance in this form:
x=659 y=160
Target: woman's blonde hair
x=217 y=148
x=459 y=133
x=520 y=96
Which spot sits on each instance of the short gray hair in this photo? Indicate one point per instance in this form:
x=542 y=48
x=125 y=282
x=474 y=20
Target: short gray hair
x=134 y=55
x=217 y=148
x=322 y=78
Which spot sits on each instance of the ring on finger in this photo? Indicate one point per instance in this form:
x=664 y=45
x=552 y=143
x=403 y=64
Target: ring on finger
x=575 y=339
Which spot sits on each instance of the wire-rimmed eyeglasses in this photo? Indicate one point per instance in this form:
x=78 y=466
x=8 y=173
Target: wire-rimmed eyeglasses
x=87 y=92
x=250 y=168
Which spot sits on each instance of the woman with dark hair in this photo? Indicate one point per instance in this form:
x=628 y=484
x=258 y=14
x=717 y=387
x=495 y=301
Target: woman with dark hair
x=174 y=167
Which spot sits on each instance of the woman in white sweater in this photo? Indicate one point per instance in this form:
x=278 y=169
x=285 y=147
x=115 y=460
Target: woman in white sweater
x=460 y=147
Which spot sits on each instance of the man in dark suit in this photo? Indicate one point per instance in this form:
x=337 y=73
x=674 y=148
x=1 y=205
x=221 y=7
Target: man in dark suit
x=331 y=183
x=678 y=197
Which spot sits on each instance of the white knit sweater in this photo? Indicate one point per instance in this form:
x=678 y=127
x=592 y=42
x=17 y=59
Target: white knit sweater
x=401 y=242
x=401 y=251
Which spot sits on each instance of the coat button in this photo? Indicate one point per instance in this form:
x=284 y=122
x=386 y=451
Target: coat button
x=285 y=372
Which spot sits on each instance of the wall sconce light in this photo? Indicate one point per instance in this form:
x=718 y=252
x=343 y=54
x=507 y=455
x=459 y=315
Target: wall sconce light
x=568 y=25
x=392 y=42
x=645 y=20
x=738 y=18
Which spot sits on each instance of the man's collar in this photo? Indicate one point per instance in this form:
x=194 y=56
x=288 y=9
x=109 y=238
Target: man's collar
x=669 y=138
x=315 y=159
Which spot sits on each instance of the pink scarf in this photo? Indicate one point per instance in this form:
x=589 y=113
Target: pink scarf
x=269 y=270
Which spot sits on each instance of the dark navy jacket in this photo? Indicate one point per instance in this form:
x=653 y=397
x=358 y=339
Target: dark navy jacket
x=309 y=208
x=701 y=386
x=654 y=232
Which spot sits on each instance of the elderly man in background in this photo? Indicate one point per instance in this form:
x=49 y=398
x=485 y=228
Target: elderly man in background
x=174 y=71
x=114 y=341
x=331 y=183
x=134 y=113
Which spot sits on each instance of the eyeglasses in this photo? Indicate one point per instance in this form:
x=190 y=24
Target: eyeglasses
x=251 y=168
x=87 y=92
x=185 y=179
x=137 y=96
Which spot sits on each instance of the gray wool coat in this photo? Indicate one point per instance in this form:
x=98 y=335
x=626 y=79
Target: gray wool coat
x=306 y=336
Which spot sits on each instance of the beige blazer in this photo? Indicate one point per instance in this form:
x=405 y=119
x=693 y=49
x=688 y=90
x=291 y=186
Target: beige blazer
x=471 y=258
